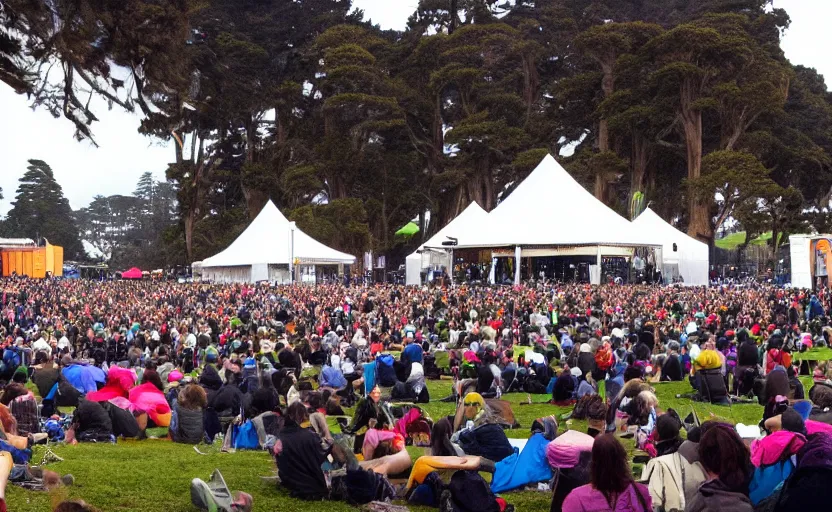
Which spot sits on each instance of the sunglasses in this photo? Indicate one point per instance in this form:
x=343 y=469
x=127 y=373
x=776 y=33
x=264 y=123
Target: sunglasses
x=471 y=404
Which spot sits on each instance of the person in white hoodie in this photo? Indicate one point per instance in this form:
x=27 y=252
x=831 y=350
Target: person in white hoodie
x=674 y=479
x=42 y=346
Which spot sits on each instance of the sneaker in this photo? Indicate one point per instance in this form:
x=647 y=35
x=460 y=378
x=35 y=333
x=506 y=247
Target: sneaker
x=220 y=490
x=201 y=496
x=446 y=502
x=213 y=495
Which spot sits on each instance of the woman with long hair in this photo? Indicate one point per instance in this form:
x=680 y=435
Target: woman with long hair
x=727 y=464
x=612 y=487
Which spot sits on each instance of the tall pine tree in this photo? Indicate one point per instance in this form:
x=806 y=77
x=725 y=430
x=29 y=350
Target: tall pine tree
x=40 y=210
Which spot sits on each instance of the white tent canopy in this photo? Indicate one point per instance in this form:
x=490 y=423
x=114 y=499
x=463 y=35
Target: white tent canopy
x=690 y=259
x=265 y=247
x=460 y=228
x=550 y=208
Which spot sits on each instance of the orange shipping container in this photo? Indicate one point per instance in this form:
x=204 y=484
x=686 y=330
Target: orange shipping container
x=33 y=262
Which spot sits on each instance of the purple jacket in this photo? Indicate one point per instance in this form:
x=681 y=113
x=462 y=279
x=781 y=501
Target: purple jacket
x=587 y=499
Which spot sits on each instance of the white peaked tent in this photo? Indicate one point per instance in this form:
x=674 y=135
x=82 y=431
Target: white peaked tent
x=550 y=208
x=265 y=249
x=551 y=214
x=459 y=228
x=690 y=259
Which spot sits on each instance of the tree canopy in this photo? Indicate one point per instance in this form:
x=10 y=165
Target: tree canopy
x=40 y=210
x=353 y=131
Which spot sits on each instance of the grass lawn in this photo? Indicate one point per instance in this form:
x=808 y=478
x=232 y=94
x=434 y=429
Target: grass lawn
x=732 y=241
x=815 y=354
x=154 y=475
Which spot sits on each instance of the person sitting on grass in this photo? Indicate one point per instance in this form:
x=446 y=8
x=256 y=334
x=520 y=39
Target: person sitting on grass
x=367 y=409
x=299 y=455
x=675 y=477
x=186 y=425
x=726 y=461
x=480 y=434
x=612 y=487
x=23 y=406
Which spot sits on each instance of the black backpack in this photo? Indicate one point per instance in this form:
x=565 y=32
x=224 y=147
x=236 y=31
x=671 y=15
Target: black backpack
x=471 y=493
x=808 y=486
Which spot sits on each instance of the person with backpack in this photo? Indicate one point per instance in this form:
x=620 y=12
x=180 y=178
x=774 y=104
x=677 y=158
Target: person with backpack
x=808 y=489
x=726 y=461
x=774 y=456
x=612 y=487
x=673 y=478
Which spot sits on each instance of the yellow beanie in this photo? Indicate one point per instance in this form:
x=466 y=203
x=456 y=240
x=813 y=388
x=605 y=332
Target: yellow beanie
x=708 y=360
x=474 y=398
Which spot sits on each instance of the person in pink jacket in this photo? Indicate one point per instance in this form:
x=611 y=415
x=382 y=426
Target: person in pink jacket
x=612 y=488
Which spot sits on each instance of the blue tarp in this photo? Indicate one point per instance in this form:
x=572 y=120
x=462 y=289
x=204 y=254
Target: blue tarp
x=84 y=378
x=527 y=467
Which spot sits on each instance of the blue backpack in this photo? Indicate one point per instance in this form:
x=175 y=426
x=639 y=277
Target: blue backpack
x=386 y=374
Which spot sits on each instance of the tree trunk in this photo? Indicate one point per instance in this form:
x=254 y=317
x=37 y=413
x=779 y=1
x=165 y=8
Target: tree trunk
x=438 y=133
x=256 y=199
x=452 y=10
x=190 y=220
x=607 y=86
x=531 y=82
x=489 y=190
x=641 y=152
x=699 y=225
x=384 y=222
x=253 y=192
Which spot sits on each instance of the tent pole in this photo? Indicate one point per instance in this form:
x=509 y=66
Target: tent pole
x=518 y=253
x=291 y=252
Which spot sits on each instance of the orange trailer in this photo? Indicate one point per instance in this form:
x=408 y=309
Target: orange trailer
x=33 y=261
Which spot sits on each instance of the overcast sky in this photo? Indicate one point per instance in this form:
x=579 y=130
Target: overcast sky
x=84 y=171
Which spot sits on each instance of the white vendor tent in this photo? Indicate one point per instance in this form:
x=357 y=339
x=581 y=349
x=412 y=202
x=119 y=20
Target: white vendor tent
x=551 y=214
x=265 y=251
x=682 y=255
x=550 y=208
x=459 y=228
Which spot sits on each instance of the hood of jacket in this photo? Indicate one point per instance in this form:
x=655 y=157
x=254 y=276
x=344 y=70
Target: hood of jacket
x=210 y=378
x=775 y=447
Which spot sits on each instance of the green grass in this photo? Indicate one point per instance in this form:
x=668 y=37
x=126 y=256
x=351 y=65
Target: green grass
x=732 y=241
x=154 y=475
x=815 y=354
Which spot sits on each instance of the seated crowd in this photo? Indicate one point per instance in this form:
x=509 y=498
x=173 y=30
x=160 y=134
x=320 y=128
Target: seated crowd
x=264 y=368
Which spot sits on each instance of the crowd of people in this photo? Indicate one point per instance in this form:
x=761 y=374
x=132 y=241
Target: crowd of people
x=262 y=367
